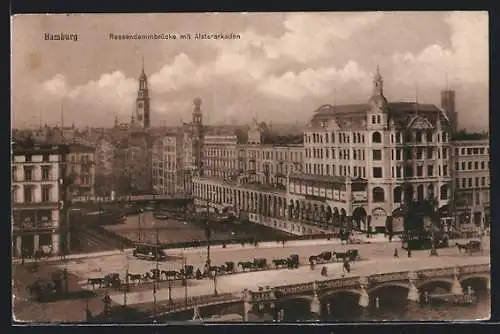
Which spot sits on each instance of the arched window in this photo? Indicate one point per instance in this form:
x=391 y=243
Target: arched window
x=378 y=195
x=443 y=193
x=397 y=195
x=376 y=137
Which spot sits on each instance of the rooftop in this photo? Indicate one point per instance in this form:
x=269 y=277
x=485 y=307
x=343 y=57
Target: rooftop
x=354 y=115
x=319 y=178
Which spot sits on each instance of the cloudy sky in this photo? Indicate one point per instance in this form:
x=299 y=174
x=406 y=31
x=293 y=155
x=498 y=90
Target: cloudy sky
x=284 y=66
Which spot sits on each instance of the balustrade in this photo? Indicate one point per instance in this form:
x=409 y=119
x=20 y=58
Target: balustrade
x=351 y=282
x=389 y=277
x=437 y=272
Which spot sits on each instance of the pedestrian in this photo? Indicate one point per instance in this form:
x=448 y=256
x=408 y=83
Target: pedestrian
x=283 y=242
x=345 y=266
x=409 y=251
x=324 y=271
x=396 y=255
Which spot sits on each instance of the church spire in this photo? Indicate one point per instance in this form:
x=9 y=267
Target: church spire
x=378 y=83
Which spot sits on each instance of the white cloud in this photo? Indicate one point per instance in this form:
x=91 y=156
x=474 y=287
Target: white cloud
x=306 y=38
x=466 y=61
x=315 y=82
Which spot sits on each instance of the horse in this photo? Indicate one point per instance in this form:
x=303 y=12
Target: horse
x=340 y=256
x=170 y=274
x=95 y=281
x=134 y=277
x=112 y=280
x=461 y=247
x=280 y=262
x=245 y=265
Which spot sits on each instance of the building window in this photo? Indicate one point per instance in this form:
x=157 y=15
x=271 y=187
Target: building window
x=28 y=173
x=429 y=136
x=377 y=172
x=483 y=181
x=46 y=193
x=469 y=165
x=397 y=194
x=398 y=171
x=420 y=171
x=477 y=182
x=45 y=173
x=376 y=137
x=418 y=137
x=464 y=183
x=482 y=165
x=45 y=158
x=374 y=119
x=457 y=166
x=476 y=164
x=457 y=183
x=28 y=158
x=443 y=193
x=378 y=195
x=28 y=194
x=15 y=191
x=470 y=182
x=420 y=153
x=377 y=154
x=398 y=137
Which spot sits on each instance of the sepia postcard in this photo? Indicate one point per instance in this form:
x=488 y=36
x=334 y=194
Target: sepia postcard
x=250 y=167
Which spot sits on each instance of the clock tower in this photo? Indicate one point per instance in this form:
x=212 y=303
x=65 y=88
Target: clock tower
x=142 y=112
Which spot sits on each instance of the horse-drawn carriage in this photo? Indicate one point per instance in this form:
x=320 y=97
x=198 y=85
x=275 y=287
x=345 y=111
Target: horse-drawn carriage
x=325 y=257
x=290 y=262
x=256 y=264
x=473 y=246
x=109 y=281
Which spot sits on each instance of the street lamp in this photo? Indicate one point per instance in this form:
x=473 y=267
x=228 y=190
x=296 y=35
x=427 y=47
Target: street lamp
x=208 y=234
x=215 y=284
x=155 y=283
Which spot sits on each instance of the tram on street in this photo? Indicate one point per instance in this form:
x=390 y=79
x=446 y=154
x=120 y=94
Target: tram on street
x=149 y=251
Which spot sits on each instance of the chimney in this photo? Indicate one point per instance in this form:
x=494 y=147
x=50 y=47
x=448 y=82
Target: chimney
x=448 y=105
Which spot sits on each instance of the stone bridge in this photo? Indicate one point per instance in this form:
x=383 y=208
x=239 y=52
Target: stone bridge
x=271 y=299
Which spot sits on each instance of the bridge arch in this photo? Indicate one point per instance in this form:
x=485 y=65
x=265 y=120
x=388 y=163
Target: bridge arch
x=387 y=285
x=328 y=294
x=439 y=282
x=476 y=281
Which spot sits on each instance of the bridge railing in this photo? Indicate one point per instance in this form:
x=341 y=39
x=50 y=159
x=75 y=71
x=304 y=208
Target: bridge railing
x=183 y=304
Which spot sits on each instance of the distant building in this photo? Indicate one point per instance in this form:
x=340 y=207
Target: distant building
x=172 y=163
x=38 y=195
x=81 y=170
x=104 y=156
x=472 y=180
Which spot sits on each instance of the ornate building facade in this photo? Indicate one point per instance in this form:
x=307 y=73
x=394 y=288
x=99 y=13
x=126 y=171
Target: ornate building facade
x=471 y=181
x=37 y=198
x=357 y=165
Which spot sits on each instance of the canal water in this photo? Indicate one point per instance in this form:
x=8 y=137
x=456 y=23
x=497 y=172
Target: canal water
x=407 y=311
